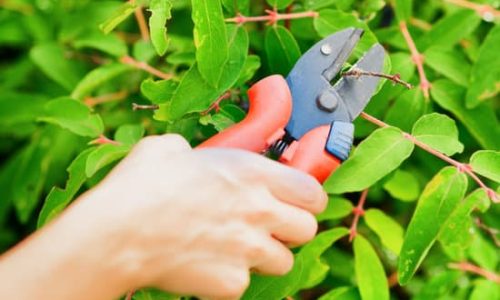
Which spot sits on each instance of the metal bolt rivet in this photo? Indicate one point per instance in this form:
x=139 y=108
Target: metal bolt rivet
x=327 y=101
x=326 y=49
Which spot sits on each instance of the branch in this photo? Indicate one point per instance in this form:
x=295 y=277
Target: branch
x=487 y=12
x=216 y=105
x=272 y=17
x=396 y=78
x=468 y=267
x=103 y=140
x=492 y=232
x=129 y=295
x=145 y=67
x=93 y=101
x=141 y=21
x=460 y=166
x=418 y=59
x=136 y=107
x=358 y=211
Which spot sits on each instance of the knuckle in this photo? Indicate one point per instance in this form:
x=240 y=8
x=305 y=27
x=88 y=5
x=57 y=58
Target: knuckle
x=147 y=143
x=255 y=251
x=176 y=141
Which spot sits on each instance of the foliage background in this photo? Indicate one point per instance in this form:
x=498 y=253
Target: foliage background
x=71 y=72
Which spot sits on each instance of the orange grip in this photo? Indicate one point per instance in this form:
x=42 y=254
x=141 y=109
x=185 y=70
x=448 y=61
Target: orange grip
x=309 y=154
x=269 y=112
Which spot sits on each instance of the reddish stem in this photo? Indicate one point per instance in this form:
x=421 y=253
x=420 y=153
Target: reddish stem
x=358 y=211
x=216 y=105
x=288 y=22
x=272 y=17
x=145 y=67
x=129 y=295
x=136 y=106
x=103 y=140
x=468 y=267
x=141 y=21
x=460 y=166
x=487 y=12
x=417 y=58
x=93 y=101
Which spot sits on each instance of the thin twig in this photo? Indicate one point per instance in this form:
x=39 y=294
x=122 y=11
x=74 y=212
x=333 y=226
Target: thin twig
x=396 y=78
x=145 y=67
x=93 y=101
x=492 y=232
x=103 y=140
x=141 y=21
x=358 y=211
x=487 y=12
x=420 y=24
x=129 y=295
x=136 y=107
x=216 y=105
x=460 y=166
x=468 y=267
x=272 y=17
x=417 y=58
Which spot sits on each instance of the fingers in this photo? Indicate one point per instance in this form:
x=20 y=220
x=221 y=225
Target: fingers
x=286 y=184
x=267 y=255
x=285 y=222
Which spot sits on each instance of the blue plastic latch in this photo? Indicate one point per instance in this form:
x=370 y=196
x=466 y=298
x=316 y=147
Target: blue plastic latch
x=340 y=139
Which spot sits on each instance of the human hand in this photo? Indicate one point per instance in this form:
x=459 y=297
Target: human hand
x=187 y=221
x=195 y=221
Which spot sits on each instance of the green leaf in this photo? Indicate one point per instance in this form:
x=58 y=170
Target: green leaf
x=158 y=92
x=403 y=186
x=279 y=4
x=129 y=134
x=252 y=64
x=456 y=233
x=235 y=7
x=485 y=289
x=437 y=202
x=449 y=62
x=485 y=77
x=318 y=4
x=450 y=30
x=103 y=156
x=109 y=44
x=74 y=116
x=160 y=13
x=438 y=131
x=153 y=294
x=406 y=110
x=337 y=208
x=342 y=293
x=98 y=77
x=210 y=39
x=403 y=9
x=282 y=50
x=375 y=157
x=370 y=273
x=307 y=270
x=194 y=94
x=122 y=13
x=58 y=199
x=50 y=58
x=19 y=108
x=483 y=253
x=480 y=121
x=314 y=269
x=487 y=164
x=388 y=230
x=439 y=285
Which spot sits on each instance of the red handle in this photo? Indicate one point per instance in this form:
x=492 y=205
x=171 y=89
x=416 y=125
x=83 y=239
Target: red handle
x=270 y=110
x=309 y=154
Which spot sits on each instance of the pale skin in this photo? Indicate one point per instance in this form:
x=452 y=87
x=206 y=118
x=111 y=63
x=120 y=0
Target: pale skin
x=191 y=222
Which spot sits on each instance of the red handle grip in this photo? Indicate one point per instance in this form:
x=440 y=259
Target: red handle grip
x=309 y=154
x=270 y=110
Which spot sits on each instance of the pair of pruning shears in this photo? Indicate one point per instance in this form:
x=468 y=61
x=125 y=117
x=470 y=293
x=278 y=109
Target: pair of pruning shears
x=304 y=119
